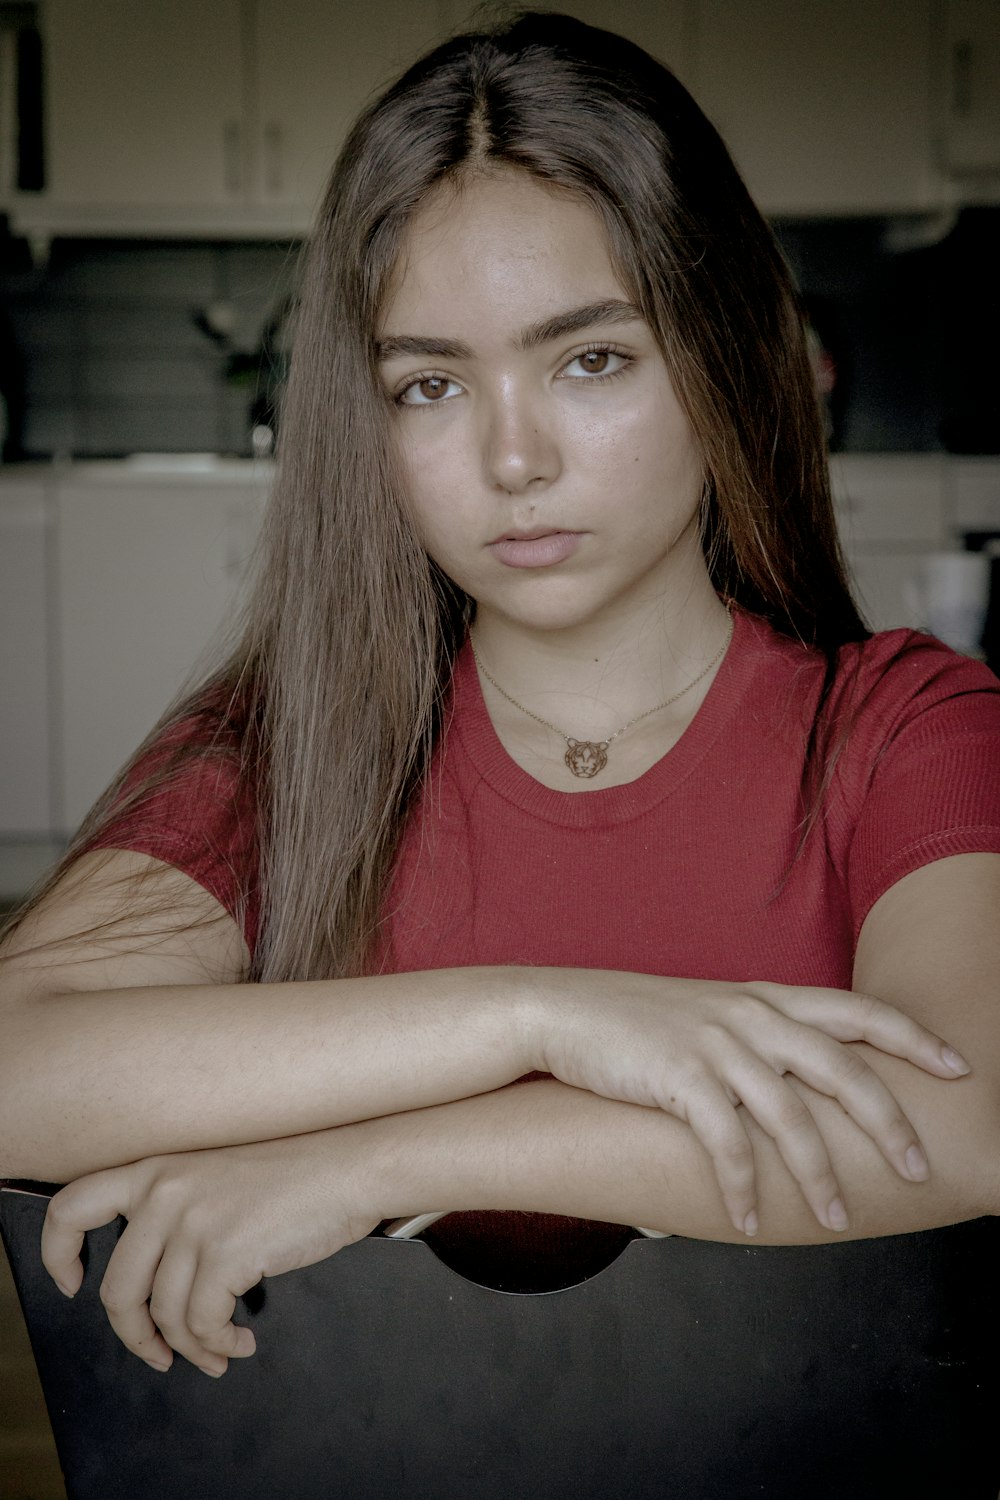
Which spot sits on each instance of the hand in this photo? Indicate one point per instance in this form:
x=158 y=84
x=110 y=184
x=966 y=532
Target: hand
x=698 y=1049
x=204 y=1227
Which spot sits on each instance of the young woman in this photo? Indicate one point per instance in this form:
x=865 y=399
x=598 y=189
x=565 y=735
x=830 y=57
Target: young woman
x=553 y=752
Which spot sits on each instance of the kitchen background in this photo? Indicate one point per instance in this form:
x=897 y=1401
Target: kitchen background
x=159 y=166
x=113 y=347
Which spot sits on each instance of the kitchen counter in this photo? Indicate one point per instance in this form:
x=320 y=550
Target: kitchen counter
x=157 y=468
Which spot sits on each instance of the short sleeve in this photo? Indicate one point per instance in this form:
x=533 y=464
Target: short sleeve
x=922 y=763
x=203 y=821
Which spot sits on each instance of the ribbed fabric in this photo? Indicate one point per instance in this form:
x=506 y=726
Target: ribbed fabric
x=689 y=870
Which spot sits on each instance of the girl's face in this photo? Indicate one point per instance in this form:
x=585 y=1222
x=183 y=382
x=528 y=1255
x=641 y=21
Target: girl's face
x=551 y=470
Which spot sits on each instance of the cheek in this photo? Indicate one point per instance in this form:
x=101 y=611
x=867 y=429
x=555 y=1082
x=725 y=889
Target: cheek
x=421 y=478
x=439 y=520
x=434 y=463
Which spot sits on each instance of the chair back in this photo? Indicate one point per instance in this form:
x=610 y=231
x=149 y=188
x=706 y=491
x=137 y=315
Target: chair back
x=685 y=1369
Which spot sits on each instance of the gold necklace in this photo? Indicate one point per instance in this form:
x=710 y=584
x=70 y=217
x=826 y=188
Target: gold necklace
x=589 y=757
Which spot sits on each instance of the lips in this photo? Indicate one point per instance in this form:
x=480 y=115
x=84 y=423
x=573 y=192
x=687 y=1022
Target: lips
x=532 y=535
x=541 y=547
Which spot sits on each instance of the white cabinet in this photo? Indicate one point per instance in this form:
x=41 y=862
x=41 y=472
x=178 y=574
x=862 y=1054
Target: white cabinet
x=891 y=510
x=974 y=494
x=665 y=27
x=146 y=573
x=207 y=117
x=223 y=117
x=113 y=584
x=25 y=727
x=145 y=111
x=826 y=108
x=318 y=65
x=972 y=86
x=895 y=508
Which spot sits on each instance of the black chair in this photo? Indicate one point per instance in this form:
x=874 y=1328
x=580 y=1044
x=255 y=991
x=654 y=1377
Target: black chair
x=861 y=1371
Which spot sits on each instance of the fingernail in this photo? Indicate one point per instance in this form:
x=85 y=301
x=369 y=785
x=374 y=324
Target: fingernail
x=954 y=1061
x=836 y=1215
x=157 y=1364
x=214 y=1373
x=916 y=1164
x=66 y=1291
x=750 y=1225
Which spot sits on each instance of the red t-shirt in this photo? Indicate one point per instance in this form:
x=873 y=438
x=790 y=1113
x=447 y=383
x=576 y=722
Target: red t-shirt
x=687 y=870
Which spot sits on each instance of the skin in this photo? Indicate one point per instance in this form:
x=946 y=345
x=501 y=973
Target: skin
x=244 y=1131
x=508 y=439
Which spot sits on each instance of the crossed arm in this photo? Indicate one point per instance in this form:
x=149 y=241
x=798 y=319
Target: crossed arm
x=222 y=1208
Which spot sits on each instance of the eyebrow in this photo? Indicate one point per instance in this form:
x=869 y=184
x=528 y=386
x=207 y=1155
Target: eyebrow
x=608 y=310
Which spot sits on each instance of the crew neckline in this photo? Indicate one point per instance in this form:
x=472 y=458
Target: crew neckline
x=472 y=729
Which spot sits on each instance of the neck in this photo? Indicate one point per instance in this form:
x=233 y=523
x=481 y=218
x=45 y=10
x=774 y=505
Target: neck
x=592 y=679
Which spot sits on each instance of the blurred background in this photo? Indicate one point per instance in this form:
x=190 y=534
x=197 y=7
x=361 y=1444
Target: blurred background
x=159 y=169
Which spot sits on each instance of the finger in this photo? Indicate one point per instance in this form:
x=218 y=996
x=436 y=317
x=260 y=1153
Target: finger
x=787 y=1119
x=88 y=1203
x=211 y=1305
x=844 y=1075
x=169 y=1303
x=125 y=1290
x=849 y=1016
x=712 y=1117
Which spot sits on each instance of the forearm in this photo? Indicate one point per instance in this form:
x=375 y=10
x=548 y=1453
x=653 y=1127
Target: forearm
x=93 y=1079
x=544 y=1147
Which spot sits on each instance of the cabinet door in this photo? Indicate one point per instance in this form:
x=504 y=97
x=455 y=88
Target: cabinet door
x=974 y=492
x=146 y=575
x=24 y=667
x=665 y=29
x=317 y=65
x=891 y=512
x=315 y=76
x=890 y=498
x=146 y=103
x=972 y=105
x=826 y=108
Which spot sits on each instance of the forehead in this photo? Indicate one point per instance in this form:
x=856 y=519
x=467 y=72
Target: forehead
x=501 y=240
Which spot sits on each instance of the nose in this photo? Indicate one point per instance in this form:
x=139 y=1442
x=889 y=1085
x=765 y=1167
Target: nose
x=521 y=447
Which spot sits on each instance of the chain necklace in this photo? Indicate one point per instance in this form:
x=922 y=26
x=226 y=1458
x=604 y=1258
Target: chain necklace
x=589 y=757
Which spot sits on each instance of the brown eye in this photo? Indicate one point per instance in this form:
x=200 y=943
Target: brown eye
x=428 y=390
x=597 y=365
x=595 y=361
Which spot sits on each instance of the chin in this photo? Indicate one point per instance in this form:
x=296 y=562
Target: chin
x=555 y=614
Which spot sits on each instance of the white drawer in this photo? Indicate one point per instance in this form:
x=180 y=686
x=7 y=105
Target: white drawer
x=890 y=497
x=974 y=493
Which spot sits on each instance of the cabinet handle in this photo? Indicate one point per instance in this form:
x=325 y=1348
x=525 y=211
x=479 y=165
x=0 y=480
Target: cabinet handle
x=273 y=154
x=232 y=156
x=961 y=78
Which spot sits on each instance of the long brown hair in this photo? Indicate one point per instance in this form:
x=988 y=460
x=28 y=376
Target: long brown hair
x=332 y=694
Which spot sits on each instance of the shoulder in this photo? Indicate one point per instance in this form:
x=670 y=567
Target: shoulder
x=899 y=663
x=876 y=686
x=918 y=776
x=905 y=690
x=190 y=797
x=197 y=770
x=908 y=663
